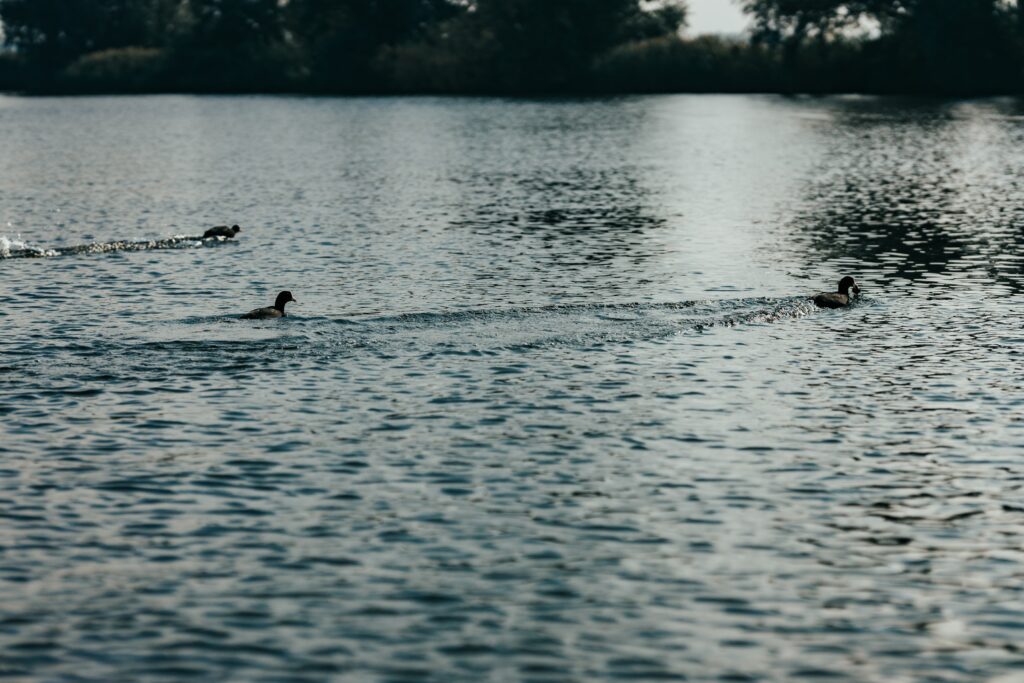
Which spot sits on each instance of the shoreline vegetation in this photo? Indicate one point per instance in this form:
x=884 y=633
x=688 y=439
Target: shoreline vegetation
x=508 y=47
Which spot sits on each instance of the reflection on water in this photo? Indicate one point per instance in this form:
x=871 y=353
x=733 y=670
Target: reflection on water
x=584 y=222
x=553 y=405
x=922 y=191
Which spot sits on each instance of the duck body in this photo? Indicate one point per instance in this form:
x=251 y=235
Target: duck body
x=263 y=313
x=222 y=231
x=840 y=298
x=831 y=300
x=275 y=311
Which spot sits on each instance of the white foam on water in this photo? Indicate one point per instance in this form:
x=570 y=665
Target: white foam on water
x=18 y=247
x=9 y=244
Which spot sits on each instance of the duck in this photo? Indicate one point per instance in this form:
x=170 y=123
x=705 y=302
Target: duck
x=838 y=299
x=222 y=231
x=275 y=311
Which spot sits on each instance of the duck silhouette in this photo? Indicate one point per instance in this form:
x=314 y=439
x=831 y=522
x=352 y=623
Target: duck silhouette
x=840 y=298
x=222 y=231
x=275 y=311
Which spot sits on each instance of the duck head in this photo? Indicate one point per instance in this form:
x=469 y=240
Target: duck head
x=282 y=299
x=848 y=283
x=235 y=230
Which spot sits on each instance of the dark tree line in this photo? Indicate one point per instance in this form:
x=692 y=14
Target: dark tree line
x=931 y=46
x=325 y=45
x=509 y=46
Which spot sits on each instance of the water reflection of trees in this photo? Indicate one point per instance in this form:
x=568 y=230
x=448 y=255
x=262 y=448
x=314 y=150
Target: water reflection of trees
x=915 y=190
x=557 y=194
x=585 y=224
x=585 y=209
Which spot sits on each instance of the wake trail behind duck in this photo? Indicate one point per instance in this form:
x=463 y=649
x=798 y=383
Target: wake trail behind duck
x=17 y=248
x=580 y=326
x=195 y=347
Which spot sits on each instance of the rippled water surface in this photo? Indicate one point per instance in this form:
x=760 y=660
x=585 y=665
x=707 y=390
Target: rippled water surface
x=553 y=405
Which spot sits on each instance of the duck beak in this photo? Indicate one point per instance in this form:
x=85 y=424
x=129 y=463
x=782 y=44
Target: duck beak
x=856 y=289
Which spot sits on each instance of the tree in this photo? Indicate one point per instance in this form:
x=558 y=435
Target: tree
x=547 y=45
x=956 y=45
x=52 y=33
x=230 y=46
x=933 y=45
x=234 y=23
x=341 y=38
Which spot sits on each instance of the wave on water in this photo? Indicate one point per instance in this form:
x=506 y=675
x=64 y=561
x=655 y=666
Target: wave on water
x=703 y=313
x=580 y=326
x=17 y=248
x=584 y=325
x=200 y=346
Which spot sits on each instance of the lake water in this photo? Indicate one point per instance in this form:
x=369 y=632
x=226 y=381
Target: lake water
x=552 y=404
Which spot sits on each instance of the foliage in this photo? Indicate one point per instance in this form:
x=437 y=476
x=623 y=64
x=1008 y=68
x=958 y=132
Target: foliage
x=53 y=33
x=549 y=45
x=523 y=46
x=438 y=63
x=672 y=64
x=342 y=38
x=15 y=72
x=126 y=69
x=934 y=46
x=230 y=23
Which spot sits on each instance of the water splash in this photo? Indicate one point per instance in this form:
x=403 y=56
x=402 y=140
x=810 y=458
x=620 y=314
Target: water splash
x=16 y=247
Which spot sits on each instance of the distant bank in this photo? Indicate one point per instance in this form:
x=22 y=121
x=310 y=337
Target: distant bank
x=509 y=47
x=667 y=64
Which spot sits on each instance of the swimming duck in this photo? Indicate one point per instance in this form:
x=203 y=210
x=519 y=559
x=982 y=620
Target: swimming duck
x=222 y=231
x=275 y=311
x=837 y=299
